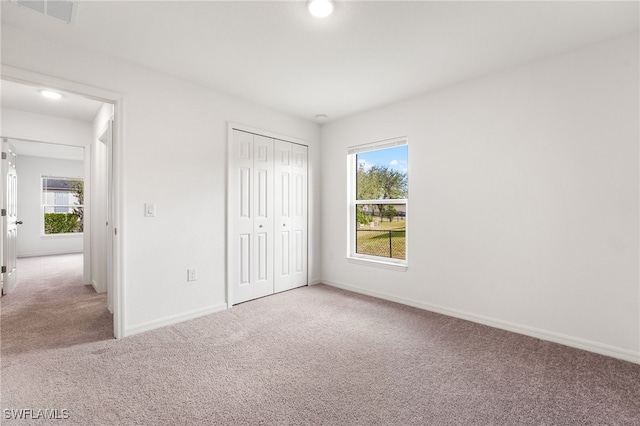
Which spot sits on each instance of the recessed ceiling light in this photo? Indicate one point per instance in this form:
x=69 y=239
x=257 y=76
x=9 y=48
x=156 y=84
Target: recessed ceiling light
x=50 y=94
x=320 y=8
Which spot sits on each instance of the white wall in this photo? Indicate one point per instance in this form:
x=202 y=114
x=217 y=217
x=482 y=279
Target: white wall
x=37 y=127
x=174 y=152
x=523 y=199
x=31 y=240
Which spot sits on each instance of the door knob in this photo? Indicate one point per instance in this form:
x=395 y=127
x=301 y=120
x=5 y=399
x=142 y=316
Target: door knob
x=19 y=222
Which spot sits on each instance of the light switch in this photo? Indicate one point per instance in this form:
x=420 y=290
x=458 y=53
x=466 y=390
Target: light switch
x=150 y=210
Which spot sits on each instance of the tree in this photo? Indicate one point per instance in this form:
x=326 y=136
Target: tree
x=390 y=212
x=60 y=223
x=78 y=212
x=380 y=183
x=393 y=183
x=368 y=187
x=361 y=217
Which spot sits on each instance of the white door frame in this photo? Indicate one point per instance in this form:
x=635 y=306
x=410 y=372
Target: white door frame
x=230 y=196
x=117 y=268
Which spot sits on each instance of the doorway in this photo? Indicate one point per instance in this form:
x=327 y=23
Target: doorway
x=45 y=196
x=17 y=121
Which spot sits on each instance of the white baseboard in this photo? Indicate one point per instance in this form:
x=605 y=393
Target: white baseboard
x=174 y=319
x=316 y=281
x=95 y=286
x=563 y=339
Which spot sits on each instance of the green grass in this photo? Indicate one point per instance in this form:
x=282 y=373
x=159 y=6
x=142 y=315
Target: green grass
x=374 y=241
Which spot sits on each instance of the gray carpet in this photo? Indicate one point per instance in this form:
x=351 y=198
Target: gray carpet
x=51 y=307
x=319 y=355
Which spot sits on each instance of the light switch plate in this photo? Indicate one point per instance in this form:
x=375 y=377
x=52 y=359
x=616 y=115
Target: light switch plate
x=191 y=274
x=150 y=210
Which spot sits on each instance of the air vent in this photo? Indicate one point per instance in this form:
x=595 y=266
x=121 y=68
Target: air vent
x=60 y=9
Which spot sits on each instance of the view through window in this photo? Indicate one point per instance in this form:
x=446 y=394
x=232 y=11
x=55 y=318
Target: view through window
x=63 y=205
x=380 y=201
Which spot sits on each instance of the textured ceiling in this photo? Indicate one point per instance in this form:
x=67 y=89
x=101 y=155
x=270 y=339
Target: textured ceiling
x=367 y=54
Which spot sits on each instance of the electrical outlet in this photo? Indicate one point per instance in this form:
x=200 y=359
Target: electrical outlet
x=191 y=274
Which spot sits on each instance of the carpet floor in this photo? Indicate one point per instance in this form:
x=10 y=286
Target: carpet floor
x=315 y=356
x=51 y=307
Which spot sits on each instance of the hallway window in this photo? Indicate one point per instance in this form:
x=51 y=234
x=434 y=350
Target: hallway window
x=62 y=205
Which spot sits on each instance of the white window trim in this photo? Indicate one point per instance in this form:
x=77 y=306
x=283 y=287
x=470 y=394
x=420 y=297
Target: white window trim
x=62 y=235
x=364 y=259
x=43 y=234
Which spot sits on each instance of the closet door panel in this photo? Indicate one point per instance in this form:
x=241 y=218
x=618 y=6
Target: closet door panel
x=263 y=216
x=251 y=247
x=245 y=260
x=283 y=169
x=299 y=202
x=241 y=247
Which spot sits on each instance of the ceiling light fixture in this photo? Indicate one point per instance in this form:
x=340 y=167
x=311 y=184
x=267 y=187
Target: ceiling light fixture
x=50 y=94
x=320 y=8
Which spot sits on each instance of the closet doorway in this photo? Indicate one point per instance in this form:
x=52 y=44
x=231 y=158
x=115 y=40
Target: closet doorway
x=267 y=202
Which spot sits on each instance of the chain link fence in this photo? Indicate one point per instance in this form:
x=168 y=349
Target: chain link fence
x=383 y=243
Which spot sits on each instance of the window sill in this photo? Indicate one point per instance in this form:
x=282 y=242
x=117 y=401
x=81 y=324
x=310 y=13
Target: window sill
x=378 y=263
x=66 y=235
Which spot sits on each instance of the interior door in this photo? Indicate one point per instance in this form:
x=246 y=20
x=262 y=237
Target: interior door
x=104 y=190
x=251 y=185
x=9 y=217
x=291 y=215
x=299 y=216
x=109 y=223
x=283 y=249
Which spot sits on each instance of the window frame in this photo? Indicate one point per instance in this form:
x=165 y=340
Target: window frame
x=44 y=205
x=352 y=202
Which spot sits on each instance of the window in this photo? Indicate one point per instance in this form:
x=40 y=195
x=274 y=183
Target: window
x=379 y=202
x=62 y=205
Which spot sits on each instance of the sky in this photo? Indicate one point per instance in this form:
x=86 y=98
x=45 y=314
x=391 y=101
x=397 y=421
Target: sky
x=395 y=158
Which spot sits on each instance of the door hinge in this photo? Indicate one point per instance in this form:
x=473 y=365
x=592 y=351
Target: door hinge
x=4 y=155
x=3 y=212
x=3 y=270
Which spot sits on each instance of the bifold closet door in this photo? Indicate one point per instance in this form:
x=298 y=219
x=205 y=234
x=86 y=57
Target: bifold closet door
x=251 y=246
x=268 y=216
x=290 y=230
